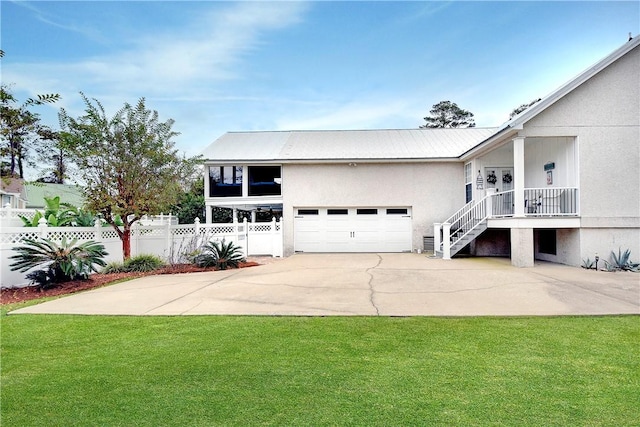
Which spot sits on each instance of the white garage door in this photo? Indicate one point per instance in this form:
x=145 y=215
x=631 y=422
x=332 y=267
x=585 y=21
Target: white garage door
x=385 y=229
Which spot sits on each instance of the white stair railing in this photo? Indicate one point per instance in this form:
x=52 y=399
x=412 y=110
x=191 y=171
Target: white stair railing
x=463 y=222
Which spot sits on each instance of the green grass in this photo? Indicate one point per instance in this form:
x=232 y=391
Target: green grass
x=247 y=371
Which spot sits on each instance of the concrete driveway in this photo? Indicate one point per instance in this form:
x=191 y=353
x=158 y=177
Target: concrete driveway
x=367 y=285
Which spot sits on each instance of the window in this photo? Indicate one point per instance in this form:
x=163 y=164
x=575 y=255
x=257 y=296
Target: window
x=367 y=211
x=265 y=181
x=468 y=181
x=337 y=211
x=225 y=181
x=395 y=211
x=307 y=211
x=547 y=243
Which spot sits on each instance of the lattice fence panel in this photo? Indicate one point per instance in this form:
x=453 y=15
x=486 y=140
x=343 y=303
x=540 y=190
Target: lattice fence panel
x=18 y=237
x=260 y=227
x=109 y=234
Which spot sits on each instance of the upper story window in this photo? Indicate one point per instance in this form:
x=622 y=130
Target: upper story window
x=225 y=181
x=265 y=181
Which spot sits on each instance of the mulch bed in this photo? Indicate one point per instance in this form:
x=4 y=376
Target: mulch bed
x=15 y=295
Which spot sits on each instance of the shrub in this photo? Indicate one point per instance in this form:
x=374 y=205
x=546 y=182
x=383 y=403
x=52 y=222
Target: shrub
x=143 y=263
x=220 y=255
x=114 y=267
x=59 y=262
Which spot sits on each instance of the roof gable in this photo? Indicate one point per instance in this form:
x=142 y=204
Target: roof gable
x=518 y=121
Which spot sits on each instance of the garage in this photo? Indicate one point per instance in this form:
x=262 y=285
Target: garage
x=353 y=229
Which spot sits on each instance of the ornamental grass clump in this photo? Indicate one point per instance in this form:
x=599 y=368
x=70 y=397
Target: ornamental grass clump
x=143 y=263
x=58 y=262
x=220 y=255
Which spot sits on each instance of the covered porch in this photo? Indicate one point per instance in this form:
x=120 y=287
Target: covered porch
x=521 y=184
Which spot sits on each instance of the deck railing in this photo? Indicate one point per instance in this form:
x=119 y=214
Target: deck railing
x=556 y=201
x=539 y=202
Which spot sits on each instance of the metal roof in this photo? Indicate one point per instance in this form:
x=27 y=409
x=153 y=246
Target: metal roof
x=390 y=144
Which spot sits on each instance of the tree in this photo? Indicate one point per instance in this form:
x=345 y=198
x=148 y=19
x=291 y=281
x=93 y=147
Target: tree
x=521 y=108
x=190 y=204
x=128 y=163
x=53 y=154
x=19 y=129
x=447 y=114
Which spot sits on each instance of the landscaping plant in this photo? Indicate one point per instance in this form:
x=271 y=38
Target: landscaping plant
x=138 y=264
x=220 y=255
x=143 y=263
x=622 y=261
x=588 y=263
x=58 y=262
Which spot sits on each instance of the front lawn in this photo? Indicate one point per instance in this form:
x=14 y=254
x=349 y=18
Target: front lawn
x=220 y=370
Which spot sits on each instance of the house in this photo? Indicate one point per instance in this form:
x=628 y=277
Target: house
x=559 y=182
x=13 y=193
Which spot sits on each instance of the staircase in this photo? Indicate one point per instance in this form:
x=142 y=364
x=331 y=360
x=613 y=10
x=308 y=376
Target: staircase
x=465 y=226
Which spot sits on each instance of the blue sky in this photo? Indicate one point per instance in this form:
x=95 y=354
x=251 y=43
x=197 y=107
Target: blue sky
x=233 y=66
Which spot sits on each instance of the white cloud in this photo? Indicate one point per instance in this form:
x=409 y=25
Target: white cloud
x=176 y=69
x=186 y=60
x=365 y=114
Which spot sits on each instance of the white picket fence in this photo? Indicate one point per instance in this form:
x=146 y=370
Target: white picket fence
x=168 y=241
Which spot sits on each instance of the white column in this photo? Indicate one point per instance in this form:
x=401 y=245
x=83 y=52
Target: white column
x=245 y=181
x=206 y=182
x=436 y=237
x=208 y=214
x=446 y=241
x=522 y=247
x=518 y=176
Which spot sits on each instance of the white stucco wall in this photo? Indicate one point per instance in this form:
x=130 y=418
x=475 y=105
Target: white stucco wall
x=604 y=240
x=603 y=115
x=434 y=191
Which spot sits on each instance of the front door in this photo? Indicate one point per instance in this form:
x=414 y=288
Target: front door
x=501 y=178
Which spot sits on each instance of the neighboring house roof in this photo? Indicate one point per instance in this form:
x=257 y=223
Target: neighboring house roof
x=11 y=185
x=37 y=191
x=371 y=145
x=13 y=188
